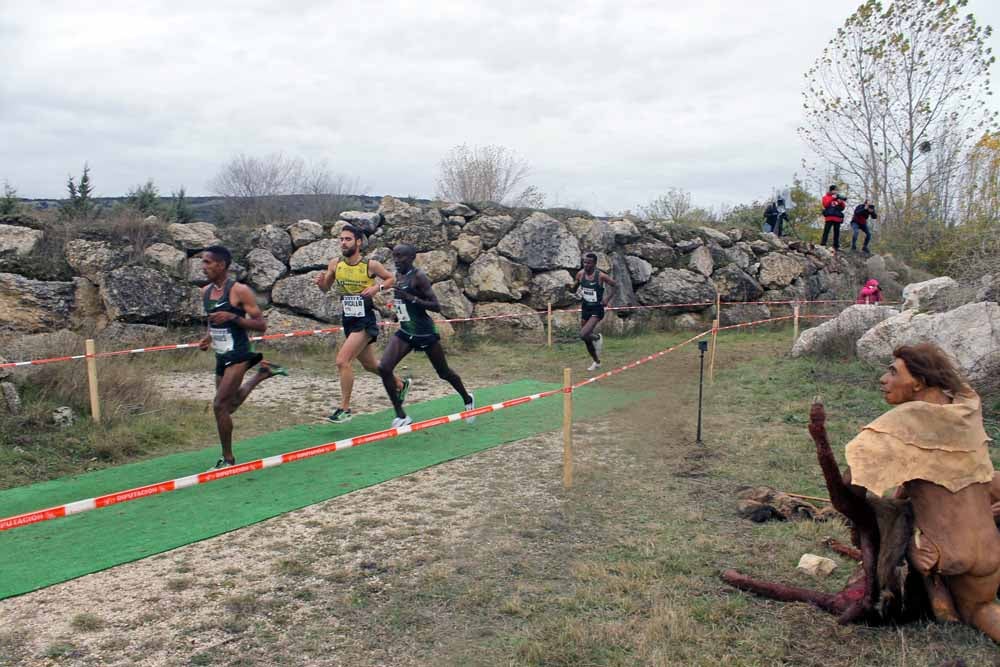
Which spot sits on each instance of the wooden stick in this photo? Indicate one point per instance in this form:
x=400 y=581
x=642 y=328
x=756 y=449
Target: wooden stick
x=795 y=333
x=799 y=495
x=715 y=338
x=95 y=400
x=549 y=323
x=567 y=429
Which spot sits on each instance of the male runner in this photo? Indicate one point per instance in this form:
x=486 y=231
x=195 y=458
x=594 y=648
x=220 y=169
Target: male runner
x=590 y=282
x=355 y=280
x=414 y=297
x=232 y=311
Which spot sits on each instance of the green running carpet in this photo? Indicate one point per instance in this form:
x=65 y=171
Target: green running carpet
x=39 y=555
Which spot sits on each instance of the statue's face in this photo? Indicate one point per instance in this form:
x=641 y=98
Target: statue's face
x=897 y=384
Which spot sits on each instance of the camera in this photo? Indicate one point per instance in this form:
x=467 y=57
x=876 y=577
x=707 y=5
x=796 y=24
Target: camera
x=703 y=345
x=840 y=197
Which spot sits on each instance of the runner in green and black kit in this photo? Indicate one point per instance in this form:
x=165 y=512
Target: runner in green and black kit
x=232 y=311
x=417 y=331
x=594 y=298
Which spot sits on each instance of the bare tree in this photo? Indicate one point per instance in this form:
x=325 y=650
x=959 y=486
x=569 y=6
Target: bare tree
x=487 y=173
x=327 y=194
x=252 y=185
x=897 y=98
x=674 y=206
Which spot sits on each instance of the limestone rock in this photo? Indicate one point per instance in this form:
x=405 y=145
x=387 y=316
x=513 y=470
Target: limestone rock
x=720 y=238
x=30 y=306
x=701 y=261
x=11 y=399
x=777 y=270
x=816 y=566
x=279 y=321
x=624 y=231
x=145 y=295
x=639 y=269
x=551 y=286
x=315 y=256
x=490 y=229
x=90 y=259
x=969 y=333
x=305 y=232
x=741 y=255
x=841 y=333
x=166 y=258
x=405 y=223
x=624 y=295
x=264 y=269
x=593 y=235
x=19 y=241
x=760 y=247
x=689 y=245
x=454 y=305
x=367 y=221
x=527 y=326
x=989 y=288
x=468 y=247
x=738 y=313
x=195 y=272
x=275 y=240
x=121 y=335
x=88 y=308
x=63 y=417
x=542 y=243
x=734 y=284
x=300 y=293
x=678 y=286
x=453 y=209
x=193 y=235
x=932 y=296
x=656 y=253
x=437 y=264
x=496 y=278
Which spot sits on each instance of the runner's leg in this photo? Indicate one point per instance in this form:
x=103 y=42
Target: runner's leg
x=587 y=336
x=248 y=386
x=226 y=388
x=394 y=353
x=436 y=355
x=355 y=344
x=370 y=364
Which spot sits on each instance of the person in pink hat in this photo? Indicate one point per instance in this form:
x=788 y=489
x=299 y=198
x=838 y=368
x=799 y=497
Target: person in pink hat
x=870 y=293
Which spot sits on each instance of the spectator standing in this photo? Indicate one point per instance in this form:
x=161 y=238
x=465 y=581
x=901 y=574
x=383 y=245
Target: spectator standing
x=859 y=223
x=775 y=216
x=833 y=216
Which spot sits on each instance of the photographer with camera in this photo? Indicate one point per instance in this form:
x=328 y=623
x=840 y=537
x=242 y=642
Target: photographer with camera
x=859 y=223
x=833 y=216
x=775 y=216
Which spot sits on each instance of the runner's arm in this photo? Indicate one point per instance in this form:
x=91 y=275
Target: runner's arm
x=255 y=320
x=608 y=280
x=206 y=341
x=427 y=299
x=376 y=270
x=325 y=279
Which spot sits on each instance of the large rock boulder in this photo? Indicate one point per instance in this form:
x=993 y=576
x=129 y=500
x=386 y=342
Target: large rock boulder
x=932 y=296
x=778 y=270
x=657 y=253
x=542 y=243
x=437 y=264
x=840 y=335
x=495 y=278
x=88 y=307
x=166 y=258
x=678 y=286
x=264 y=269
x=315 y=256
x=970 y=333
x=525 y=325
x=715 y=235
x=455 y=208
x=305 y=232
x=91 y=259
x=624 y=231
x=193 y=235
x=624 y=295
x=18 y=241
x=279 y=321
x=405 y=223
x=553 y=287
x=300 y=294
x=594 y=235
x=29 y=306
x=735 y=284
x=701 y=261
x=123 y=335
x=490 y=229
x=195 y=272
x=366 y=221
x=738 y=313
x=989 y=288
x=454 y=305
x=275 y=240
x=639 y=269
x=468 y=247
x=144 y=295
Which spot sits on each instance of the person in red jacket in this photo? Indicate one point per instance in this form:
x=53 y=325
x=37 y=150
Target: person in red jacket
x=833 y=216
x=870 y=293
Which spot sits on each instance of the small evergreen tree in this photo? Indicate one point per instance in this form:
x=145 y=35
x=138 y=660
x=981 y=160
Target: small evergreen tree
x=9 y=203
x=81 y=204
x=180 y=210
x=145 y=199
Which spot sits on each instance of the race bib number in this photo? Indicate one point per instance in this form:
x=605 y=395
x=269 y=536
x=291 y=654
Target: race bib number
x=222 y=340
x=354 y=305
x=589 y=295
x=402 y=314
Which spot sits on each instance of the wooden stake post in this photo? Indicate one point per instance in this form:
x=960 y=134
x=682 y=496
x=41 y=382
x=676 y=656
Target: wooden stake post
x=567 y=429
x=95 y=400
x=715 y=337
x=549 y=323
x=795 y=330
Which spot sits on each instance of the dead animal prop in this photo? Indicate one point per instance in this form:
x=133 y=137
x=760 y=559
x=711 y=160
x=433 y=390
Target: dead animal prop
x=762 y=503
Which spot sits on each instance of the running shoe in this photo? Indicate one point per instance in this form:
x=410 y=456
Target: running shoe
x=274 y=369
x=340 y=416
x=471 y=406
x=405 y=390
x=402 y=421
x=594 y=366
x=599 y=343
x=220 y=464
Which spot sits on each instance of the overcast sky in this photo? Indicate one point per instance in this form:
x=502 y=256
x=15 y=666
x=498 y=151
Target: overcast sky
x=611 y=102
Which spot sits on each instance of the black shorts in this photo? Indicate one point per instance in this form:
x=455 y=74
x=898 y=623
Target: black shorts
x=591 y=311
x=419 y=342
x=224 y=361
x=366 y=324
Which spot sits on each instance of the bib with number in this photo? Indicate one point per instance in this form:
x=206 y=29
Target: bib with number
x=402 y=314
x=353 y=304
x=589 y=295
x=222 y=340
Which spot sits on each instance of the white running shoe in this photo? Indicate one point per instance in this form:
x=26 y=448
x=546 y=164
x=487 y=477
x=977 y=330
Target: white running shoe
x=471 y=406
x=599 y=343
x=594 y=366
x=402 y=421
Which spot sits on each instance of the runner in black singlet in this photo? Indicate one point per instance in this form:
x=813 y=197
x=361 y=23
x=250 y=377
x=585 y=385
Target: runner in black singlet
x=417 y=331
x=232 y=311
x=355 y=281
x=594 y=298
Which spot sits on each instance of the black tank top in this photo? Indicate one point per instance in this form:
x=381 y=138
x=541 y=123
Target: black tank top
x=592 y=290
x=413 y=318
x=226 y=338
